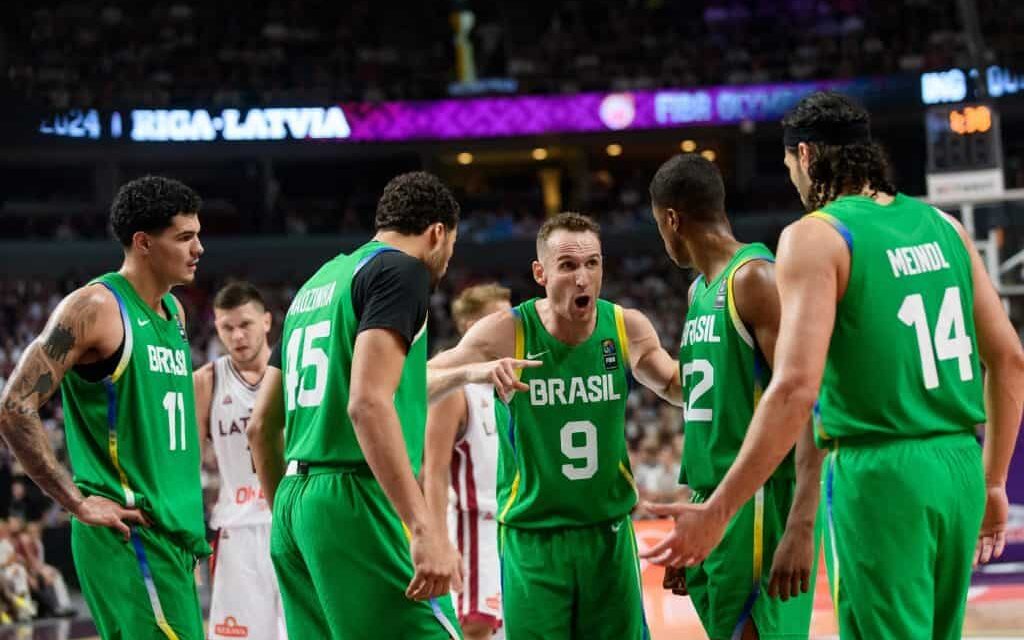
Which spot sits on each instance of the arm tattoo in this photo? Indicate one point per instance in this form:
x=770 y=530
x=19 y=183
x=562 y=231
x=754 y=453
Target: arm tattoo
x=34 y=381
x=60 y=342
x=43 y=386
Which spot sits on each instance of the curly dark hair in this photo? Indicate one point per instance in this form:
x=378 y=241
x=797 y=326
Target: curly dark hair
x=837 y=170
x=691 y=185
x=411 y=202
x=148 y=204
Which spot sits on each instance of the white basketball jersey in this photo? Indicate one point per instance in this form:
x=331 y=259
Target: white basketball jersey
x=241 y=501
x=475 y=459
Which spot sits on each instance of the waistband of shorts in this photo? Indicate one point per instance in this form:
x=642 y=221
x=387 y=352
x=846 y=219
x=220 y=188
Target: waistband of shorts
x=703 y=493
x=564 y=528
x=303 y=468
x=962 y=438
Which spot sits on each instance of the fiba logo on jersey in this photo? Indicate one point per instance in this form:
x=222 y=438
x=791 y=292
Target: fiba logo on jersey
x=231 y=629
x=611 y=357
x=720 y=296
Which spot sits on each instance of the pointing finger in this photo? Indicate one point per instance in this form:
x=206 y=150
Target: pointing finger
x=525 y=364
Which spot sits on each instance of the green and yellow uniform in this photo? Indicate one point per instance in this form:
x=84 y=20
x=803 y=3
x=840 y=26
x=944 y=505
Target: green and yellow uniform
x=565 y=488
x=340 y=550
x=900 y=399
x=723 y=373
x=132 y=438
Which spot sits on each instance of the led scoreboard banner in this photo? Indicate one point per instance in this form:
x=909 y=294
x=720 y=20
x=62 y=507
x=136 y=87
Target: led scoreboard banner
x=965 y=157
x=439 y=120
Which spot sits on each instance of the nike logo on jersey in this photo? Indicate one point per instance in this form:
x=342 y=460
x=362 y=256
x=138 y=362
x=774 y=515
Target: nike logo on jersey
x=143 y=323
x=534 y=356
x=616 y=526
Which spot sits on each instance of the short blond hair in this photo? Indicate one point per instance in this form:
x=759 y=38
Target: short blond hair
x=568 y=220
x=469 y=304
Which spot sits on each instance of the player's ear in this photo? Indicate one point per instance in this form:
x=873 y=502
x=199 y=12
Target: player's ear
x=268 y=320
x=803 y=151
x=538 y=273
x=141 y=242
x=432 y=234
x=673 y=219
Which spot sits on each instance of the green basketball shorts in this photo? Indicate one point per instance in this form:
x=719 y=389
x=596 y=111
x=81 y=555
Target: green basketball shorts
x=342 y=560
x=142 y=589
x=572 y=583
x=903 y=518
x=731 y=586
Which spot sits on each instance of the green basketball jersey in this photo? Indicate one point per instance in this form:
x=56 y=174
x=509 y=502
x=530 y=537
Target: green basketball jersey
x=132 y=437
x=723 y=373
x=903 y=361
x=562 y=456
x=318 y=339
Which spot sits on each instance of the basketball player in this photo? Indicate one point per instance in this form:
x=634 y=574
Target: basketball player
x=565 y=489
x=117 y=349
x=464 y=422
x=726 y=353
x=886 y=310
x=245 y=596
x=355 y=549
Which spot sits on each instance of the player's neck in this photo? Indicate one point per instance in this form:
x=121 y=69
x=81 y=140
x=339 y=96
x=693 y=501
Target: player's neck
x=711 y=249
x=255 y=368
x=147 y=286
x=882 y=198
x=571 y=332
x=412 y=245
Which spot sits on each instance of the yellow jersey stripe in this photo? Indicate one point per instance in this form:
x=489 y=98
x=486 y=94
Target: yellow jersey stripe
x=520 y=352
x=511 y=497
x=758 y=534
x=734 y=313
x=620 y=330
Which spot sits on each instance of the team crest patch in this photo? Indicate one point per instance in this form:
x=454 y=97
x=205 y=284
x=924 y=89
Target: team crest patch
x=231 y=629
x=181 y=330
x=720 y=296
x=610 y=354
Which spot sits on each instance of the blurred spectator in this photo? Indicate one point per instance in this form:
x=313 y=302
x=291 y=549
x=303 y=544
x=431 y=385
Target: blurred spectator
x=112 y=52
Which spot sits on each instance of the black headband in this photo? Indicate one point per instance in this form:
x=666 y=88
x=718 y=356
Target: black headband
x=831 y=134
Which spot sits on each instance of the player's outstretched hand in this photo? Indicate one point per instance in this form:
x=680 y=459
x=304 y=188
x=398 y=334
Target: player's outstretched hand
x=792 y=564
x=992 y=538
x=696 y=534
x=101 y=512
x=436 y=565
x=502 y=374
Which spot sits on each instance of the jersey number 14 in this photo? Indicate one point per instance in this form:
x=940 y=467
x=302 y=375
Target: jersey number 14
x=950 y=337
